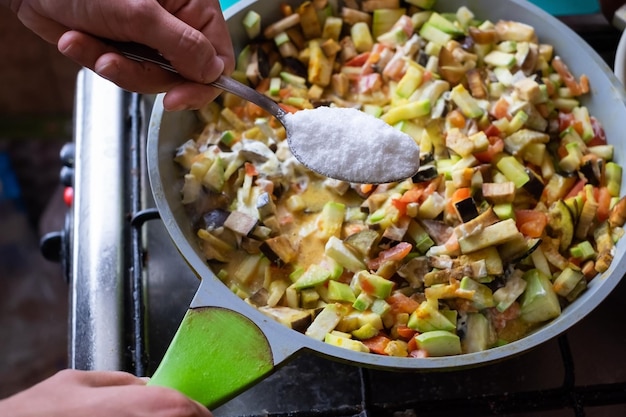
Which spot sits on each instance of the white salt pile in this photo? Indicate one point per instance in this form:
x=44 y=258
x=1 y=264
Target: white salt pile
x=350 y=145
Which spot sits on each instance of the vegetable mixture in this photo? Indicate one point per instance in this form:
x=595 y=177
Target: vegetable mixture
x=516 y=206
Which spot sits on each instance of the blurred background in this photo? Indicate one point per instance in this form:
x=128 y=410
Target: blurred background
x=36 y=105
x=35 y=120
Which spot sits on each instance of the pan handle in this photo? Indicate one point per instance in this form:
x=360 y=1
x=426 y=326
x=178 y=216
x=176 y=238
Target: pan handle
x=217 y=352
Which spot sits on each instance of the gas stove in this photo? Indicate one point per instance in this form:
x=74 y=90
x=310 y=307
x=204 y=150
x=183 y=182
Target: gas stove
x=129 y=289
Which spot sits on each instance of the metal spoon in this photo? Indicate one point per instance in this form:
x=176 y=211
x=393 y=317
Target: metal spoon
x=385 y=173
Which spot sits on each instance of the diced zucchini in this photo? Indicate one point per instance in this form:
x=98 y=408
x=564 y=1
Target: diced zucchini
x=372 y=284
x=482 y=296
x=337 y=250
x=252 y=24
x=466 y=103
x=501 y=59
x=427 y=317
x=409 y=82
x=494 y=234
x=338 y=291
x=383 y=21
x=567 y=281
x=539 y=301
x=445 y=25
x=362 y=37
x=331 y=219
x=505 y=296
x=332 y=28
x=439 y=343
x=424 y=4
x=410 y=110
x=477 y=336
x=365 y=332
x=363 y=302
x=513 y=170
x=326 y=321
x=313 y=276
x=431 y=33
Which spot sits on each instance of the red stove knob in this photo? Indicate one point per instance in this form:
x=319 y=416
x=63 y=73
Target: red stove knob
x=68 y=196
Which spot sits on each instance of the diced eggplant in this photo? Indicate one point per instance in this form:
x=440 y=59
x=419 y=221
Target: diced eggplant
x=279 y=249
x=518 y=248
x=414 y=270
x=437 y=230
x=425 y=173
x=265 y=205
x=592 y=170
x=498 y=193
x=296 y=319
x=476 y=225
x=259 y=298
x=395 y=232
x=240 y=222
x=561 y=224
x=466 y=209
x=363 y=242
x=214 y=219
x=535 y=185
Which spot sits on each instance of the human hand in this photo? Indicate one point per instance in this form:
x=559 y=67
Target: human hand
x=191 y=34
x=72 y=393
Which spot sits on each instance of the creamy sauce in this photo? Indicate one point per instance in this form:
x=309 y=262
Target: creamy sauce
x=350 y=145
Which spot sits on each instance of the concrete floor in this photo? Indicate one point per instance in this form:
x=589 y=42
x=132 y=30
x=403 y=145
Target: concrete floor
x=36 y=100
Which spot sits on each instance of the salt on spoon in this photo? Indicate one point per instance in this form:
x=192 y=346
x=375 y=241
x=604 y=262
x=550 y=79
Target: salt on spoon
x=350 y=145
x=341 y=143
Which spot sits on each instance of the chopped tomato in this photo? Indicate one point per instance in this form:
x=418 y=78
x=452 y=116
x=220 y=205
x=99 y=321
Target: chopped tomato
x=418 y=353
x=394 y=253
x=456 y=119
x=263 y=85
x=377 y=344
x=412 y=346
x=500 y=109
x=250 y=169
x=565 y=120
x=568 y=78
x=253 y=111
x=358 y=60
x=531 y=223
x=496 y=146
x=405 y=332
x=400 y=303
x=452 y=244
x=492 y=130
x=604 y=203
x=288 y=108
x=599 y=137
x=369 y=83
x=577 y=188
x=561 y=151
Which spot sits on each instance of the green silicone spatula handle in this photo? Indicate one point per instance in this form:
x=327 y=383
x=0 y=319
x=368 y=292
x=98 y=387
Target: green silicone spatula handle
x=215 y=354
x=218 y=352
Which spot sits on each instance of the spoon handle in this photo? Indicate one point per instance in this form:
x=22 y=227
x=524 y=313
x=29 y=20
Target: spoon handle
x=141 y=53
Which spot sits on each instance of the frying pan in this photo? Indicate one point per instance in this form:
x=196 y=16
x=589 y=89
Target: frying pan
x=225 y=345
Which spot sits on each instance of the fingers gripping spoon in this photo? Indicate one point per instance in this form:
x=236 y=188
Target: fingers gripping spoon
x=340 y=143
